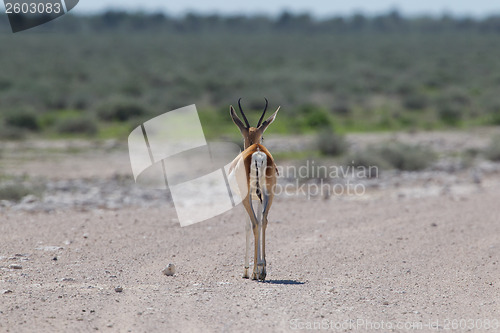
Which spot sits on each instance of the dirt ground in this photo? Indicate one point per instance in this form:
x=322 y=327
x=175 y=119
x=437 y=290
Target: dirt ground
x=379 y=262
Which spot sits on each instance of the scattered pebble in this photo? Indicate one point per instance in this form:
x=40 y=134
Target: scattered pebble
x=49 y=248
x=30 y=198
x=6 y=203
x=15 y=266
x=7 y=291
x=386 y=303
x=67 y=279
x=169 y=270
x=434 y=225
x=118 y=289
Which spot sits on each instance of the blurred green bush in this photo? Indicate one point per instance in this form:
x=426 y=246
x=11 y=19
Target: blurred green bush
x=120 y=109
x=11 y=133
x=22 y=119
x=84 y=124
x=407 y=157
x=394 y=156
x=330 y=143
x=14 y=192
x=493 y=150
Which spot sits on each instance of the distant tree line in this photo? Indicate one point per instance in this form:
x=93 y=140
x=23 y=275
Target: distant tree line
x=104 y=74
x=392 y=21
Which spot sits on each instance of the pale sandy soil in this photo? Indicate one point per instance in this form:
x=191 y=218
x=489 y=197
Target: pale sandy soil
x=384 y=258
x=402 y=261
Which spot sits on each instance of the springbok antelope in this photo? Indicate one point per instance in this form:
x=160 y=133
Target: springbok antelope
x=261 y=172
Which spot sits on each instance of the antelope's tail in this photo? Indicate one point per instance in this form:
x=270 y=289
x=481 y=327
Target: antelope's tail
x=258 y=174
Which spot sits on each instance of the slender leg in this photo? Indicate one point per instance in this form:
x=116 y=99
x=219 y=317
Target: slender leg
x=258 y=262
x=262 y=265
x=268 y=200
x=247 y=203
x=258 y=222
x=256 y=235
x=256 y=253
x=248 y=226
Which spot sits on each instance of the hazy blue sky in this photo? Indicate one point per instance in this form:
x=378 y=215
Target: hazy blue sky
x=316 y=7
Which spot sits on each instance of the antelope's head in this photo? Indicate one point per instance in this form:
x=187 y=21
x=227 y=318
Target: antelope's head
x=252 y=135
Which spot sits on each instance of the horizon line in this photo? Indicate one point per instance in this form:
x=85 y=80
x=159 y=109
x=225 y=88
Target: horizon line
x=251 y=14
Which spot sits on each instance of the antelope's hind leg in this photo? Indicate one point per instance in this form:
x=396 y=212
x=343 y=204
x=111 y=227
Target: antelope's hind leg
x=263 y=225
x=248 y=228
x=259 y=263
x=254 y=224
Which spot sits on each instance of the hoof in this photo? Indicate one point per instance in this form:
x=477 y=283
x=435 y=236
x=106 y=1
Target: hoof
x=260 y=273
x=245 y=274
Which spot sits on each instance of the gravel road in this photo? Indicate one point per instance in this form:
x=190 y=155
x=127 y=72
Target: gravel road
x=379 y=261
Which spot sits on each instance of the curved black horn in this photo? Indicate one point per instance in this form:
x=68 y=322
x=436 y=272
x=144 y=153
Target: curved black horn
x=263 y=113
x=244 y=117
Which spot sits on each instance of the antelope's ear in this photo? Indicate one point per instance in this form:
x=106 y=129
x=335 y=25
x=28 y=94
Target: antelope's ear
x=236 y=120
x=269 y=120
